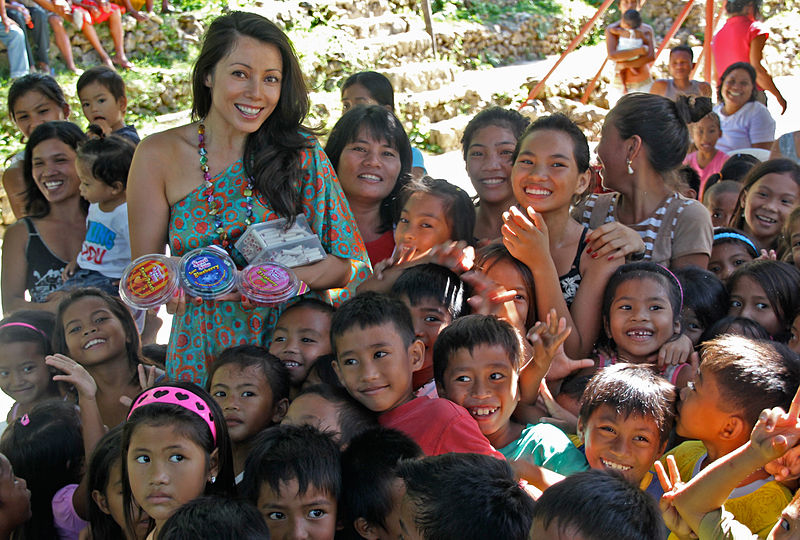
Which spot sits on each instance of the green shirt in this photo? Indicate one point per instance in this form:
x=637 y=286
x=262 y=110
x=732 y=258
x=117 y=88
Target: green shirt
x=546 y=446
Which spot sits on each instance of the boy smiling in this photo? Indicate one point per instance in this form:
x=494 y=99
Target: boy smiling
x=376 y=356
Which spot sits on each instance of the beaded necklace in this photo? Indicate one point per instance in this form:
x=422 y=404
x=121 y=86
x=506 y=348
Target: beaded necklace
x=216 y=206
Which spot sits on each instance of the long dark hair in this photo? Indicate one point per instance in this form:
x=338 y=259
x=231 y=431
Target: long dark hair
x=105 y=455
x=37 y=82
x=772 y=166
x=46 y=449
x=36 y=204
x=117 y=308
x=379 y=123
x=189 y=424
x=661 y=124
x=272 y=153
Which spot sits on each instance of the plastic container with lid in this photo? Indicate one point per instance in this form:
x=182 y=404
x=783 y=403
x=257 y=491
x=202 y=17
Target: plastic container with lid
x=272 y=241
x=269 y=283
x=149 y=281
x=207 y=272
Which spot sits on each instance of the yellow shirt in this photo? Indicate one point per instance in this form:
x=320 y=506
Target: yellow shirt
x=758 y=505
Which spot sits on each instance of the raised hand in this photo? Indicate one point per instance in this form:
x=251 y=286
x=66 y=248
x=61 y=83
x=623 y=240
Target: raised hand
x=672 y=484
x=776 y=430
x=525 y=234
x=74 y=374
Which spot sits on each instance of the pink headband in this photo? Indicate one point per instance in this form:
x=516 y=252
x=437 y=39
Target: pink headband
x=25 y=325
x=181 y=397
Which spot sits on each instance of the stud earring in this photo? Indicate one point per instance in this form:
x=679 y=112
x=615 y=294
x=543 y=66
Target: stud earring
x=630 y=169
x=213 y=479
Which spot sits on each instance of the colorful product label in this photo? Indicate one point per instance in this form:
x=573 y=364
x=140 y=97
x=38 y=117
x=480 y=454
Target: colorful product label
x=148 y=279
x=207 y=273
x=268 y=279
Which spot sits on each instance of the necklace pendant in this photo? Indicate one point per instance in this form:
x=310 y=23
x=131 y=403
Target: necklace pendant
x=248 y=192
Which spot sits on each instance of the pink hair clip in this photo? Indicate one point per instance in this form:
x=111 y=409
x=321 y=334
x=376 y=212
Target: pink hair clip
x=25 y=420
x=181 y=397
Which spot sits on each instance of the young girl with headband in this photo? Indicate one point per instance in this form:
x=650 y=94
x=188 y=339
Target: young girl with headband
x=175 y=448
x=24 y=376
x=731 y=249
x=641 y=313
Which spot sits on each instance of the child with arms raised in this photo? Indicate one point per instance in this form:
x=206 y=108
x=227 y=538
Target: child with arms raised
x=376 y=355
x=98 y=332
x=251 y=386
x=737 y=379
x=293 y=477
x=477 y=360
x=175 y=448
x=699 y=504
x=302 y=334
x=24 y=377
x=435 y=296
x=551 y=167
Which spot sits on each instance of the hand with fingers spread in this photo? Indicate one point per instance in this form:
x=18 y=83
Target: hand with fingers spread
x=614 y=241
x=74 y=374
x=525 y=235
x=547 y=341
x=489 y=298
x=671 y=484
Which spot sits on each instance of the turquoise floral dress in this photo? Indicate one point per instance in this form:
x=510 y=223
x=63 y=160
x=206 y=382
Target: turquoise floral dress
x=204 y=331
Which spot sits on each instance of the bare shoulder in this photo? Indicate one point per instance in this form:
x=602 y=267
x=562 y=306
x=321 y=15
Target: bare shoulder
x=15 y=236
x=166 y=143
x=659 y=87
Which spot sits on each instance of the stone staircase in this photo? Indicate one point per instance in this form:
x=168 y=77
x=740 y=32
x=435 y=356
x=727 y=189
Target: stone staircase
x=434 y=97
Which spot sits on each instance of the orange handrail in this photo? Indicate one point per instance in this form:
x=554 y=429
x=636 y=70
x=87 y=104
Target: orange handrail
x=707 y=39
x=573 y=44
x=700 y=56
x=675 y=26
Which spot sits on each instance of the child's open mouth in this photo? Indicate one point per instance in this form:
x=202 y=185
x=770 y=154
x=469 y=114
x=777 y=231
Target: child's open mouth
x=614 y=465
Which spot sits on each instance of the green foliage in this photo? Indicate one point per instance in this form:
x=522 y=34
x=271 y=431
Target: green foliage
x=490 y=11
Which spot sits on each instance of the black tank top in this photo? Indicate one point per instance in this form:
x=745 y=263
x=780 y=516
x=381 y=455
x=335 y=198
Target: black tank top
x=44 y=268
x=572 y=279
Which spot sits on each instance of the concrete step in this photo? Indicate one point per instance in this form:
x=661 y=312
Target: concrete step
x=381 y=26
x=398 y=49
x=422 y=76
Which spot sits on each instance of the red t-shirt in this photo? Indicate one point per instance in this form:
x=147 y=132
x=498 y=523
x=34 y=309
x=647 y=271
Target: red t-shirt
x=381 y=248
x=732 y=42
x=439 y=426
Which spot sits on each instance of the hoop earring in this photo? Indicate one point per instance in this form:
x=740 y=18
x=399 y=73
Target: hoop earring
x=630 y=169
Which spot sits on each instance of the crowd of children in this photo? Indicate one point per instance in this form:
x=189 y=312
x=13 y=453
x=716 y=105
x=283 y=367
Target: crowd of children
x=510 y=369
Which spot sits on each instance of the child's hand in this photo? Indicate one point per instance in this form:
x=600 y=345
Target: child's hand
x=457 y=256
x=69 y=270
x=76 y=375
x=676 y=351
x=62 y=7
x=777 y=431
x=766 y=255
x=671 y=484
x=147 y=379
x=786 y=467
x=491 y=298
x=547 y=344
x=525 y=236
x=614 y=241
x=402 y=254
